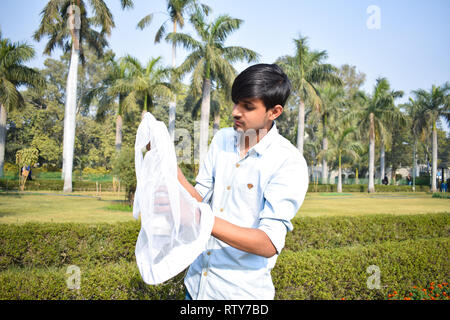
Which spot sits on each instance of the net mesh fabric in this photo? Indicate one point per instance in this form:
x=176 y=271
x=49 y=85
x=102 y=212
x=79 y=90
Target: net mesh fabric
x=174 y=226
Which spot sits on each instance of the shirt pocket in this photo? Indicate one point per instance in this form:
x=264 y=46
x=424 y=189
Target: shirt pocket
x=248 y=192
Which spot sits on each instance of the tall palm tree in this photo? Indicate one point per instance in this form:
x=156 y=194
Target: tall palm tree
x=176 y=9
x=210 y=60
x=306 y=70
x=13 y=73
x=375 y=111
x=331 y=105
x=342 y=144
x=142 y=84
x=67 y=25
x=434 y=104
x=385 y=136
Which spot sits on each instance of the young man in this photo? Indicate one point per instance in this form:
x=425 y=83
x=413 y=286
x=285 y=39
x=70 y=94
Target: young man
x=258 y=181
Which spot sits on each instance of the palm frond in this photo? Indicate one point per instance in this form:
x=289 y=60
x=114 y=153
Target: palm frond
x=145 y=21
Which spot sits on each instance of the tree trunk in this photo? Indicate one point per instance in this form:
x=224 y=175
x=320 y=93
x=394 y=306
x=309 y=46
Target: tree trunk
x=434 y=160
x=325 y=148
x=173 y=102
x=119 y=125
x=69 y=119
x=301 y=126
x=371 y=187
x=339 y=186
x=204 y=119
x=216 y=125
x=324 y=162
x=382 y=164
x=3 y=115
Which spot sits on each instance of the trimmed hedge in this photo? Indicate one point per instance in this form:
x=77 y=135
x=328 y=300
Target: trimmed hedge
x=59 y=244
x=57 y=185
x=309 y=274
x=333 y=232
x=342 y=272
x=40 y=184
x=324 y=258
x=107 y=282
x=363 y=188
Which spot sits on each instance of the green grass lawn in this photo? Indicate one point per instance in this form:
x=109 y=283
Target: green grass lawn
x=57 y=207
x=355 y=204
x=87 y=207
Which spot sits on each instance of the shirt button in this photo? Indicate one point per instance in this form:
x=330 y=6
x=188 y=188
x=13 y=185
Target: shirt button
x=221 y=209
x=237 y=165
x=205 y=273
x=208 y=253
x=229 y=187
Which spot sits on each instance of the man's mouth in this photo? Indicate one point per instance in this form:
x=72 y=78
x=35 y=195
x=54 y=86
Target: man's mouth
x=237 y=122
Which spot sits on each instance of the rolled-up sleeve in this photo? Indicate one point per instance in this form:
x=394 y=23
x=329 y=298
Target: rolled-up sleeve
x=284 y=196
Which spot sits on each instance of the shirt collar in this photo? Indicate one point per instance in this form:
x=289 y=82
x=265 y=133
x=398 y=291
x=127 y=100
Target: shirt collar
x=264 y=143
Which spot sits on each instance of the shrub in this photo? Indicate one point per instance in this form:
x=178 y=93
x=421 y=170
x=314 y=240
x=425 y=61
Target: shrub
x=441 y=195
x=342 y=272
x=56 y=185
x=51 y=244
x=106 y=282
x=324 y=258
x=333 y=232
x=363 y=188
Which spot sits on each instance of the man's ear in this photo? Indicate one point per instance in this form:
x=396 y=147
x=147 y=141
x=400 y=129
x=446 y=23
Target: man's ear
x=276 y=112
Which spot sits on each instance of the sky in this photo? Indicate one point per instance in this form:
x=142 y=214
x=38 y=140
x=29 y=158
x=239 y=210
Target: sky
x=406 y=41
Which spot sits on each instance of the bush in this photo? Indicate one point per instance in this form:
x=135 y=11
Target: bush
x=342 y=272
x=441 y=195
x=364 y=187
x=324 y=258
x=334 y=232
x=51 y=244
x=111 y=281
x=55 y=185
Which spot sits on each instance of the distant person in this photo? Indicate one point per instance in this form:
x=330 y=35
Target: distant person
x=385 y=181
x=408 y=179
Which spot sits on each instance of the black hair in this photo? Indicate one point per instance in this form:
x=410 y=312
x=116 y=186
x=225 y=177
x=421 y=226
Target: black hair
x=262 y=81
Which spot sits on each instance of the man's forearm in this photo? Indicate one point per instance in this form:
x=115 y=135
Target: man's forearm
x=189 y=188
x=250 y=240
x=246 y=239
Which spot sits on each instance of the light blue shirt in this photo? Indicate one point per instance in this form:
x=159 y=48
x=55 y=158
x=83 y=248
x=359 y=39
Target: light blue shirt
x=263 y=190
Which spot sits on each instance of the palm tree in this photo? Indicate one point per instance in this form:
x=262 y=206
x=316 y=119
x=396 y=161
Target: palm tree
x=306 y=70
x=210 y=61
x=384 y=136
x=375 y=112
x=331 y=105
x=177 y=9
x=13 y=74
x=142 y=84
x=434 y=104
x=68 y=27
x=342 y=145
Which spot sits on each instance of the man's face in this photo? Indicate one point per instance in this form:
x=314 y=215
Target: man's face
x=251 y=114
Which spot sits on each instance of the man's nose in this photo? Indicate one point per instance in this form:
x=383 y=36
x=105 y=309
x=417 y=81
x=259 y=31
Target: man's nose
x=236 y=113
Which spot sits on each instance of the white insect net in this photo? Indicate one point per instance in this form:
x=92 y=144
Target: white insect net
x=174 y=226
